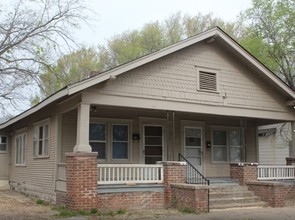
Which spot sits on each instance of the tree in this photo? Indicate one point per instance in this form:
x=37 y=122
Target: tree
x=271 y=28
x=155 y=36
x=152 y=37
x=174 y=28
x=71 y=68
x=31 y=33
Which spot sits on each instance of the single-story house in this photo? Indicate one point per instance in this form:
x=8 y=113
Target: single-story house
x=203 y=98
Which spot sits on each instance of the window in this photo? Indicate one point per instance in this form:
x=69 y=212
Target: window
x=110 y=140
x=120 y=141
x=21 y=146
x=3 y=143
x=41 y=139
x=207 y=80
x=97 y=139
x=235 y=146
x=219 y=146
x=226 y=145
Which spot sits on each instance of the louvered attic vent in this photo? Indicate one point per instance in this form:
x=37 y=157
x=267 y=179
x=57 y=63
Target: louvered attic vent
x=207 y=81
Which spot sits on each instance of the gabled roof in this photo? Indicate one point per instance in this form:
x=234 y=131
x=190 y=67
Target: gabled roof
x=212 y=33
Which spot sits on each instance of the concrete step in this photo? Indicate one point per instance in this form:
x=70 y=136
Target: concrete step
x=229 y=192
x=228 y=189
x=243 y=200
x=238 y=205
x=216 y=195
x=233 y=196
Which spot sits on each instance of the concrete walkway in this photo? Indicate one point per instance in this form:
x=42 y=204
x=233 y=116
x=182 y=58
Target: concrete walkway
x=285 y=213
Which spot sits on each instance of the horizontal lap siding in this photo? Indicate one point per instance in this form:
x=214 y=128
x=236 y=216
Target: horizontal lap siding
x=175 y=77
x=38 y=172
x=274 y=149
x=69 y=133
x=4 y=164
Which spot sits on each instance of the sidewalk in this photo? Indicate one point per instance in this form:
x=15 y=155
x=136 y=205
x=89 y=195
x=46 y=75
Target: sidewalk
x=285 y=213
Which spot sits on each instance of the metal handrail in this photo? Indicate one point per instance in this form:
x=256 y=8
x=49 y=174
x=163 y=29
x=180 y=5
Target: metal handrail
x=193 y=176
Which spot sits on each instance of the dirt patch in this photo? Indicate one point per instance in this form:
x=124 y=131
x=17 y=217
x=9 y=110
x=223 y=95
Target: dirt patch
x=14 y=205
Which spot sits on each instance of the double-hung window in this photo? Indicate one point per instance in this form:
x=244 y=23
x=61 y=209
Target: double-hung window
x=21 y=146
x=41 y=139
x=226 y=145
x=110 y=140
x=3 y=144
x=97 y=139
x=120 y=141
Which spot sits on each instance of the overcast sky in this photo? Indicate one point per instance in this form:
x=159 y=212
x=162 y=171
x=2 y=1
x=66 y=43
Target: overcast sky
x=115 y=16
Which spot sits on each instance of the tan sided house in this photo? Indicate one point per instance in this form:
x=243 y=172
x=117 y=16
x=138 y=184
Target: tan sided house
x=203 y=98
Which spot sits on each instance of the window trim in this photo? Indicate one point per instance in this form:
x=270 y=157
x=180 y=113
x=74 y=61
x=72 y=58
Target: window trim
x=22 y=134
x=227 y=129
x=42 y=123
x=6 y=148
x=208 y=70
x=109 y=122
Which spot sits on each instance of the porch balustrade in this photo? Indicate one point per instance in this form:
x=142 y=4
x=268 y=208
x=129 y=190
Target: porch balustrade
x=129 y=173
x=61 y=172
x=275 y=172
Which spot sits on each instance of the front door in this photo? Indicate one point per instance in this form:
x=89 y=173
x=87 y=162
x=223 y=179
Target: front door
x=153 y=143
x=193 y=146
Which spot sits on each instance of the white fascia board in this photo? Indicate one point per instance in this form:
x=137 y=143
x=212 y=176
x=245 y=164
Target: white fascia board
x=34 y=109
x=258 y=65
x=141 y=61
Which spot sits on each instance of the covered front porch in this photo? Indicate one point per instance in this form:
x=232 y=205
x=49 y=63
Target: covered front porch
x=167 y=184
x=125 y=135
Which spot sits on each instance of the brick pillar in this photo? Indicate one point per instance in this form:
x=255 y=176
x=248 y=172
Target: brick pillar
x=174 y=172
x=81 y=181
x=243 y=172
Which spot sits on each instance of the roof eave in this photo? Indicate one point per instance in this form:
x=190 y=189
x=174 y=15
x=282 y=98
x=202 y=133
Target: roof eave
x=36 y=108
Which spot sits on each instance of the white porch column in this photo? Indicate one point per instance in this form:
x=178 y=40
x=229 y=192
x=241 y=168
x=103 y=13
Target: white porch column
x=82 y=142
x=293 y=139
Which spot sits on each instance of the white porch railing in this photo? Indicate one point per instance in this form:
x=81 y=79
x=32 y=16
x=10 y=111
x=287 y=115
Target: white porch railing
x=61 y=172
x=129 y=173
x=275 y=172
